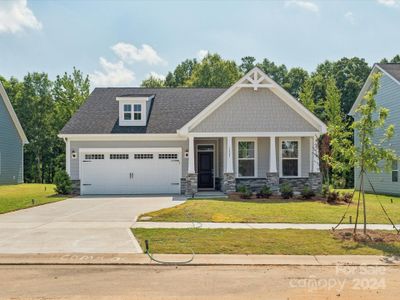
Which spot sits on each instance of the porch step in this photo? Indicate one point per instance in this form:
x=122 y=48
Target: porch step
x=209 y=194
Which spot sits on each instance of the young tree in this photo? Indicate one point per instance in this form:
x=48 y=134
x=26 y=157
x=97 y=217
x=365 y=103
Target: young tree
x=370 y=152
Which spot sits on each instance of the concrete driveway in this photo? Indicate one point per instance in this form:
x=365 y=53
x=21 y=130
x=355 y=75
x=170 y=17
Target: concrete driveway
x=78 y=225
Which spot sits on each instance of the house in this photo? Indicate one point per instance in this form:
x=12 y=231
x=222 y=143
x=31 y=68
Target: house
x=12 y=140
x=388 y=96
x=184 y=140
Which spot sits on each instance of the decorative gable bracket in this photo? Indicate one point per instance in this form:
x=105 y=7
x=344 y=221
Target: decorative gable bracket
x=255 y=79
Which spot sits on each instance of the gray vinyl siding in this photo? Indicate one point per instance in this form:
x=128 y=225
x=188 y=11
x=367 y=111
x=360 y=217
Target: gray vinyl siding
x=11 y=149
x=388 y=96
x=75 y=146
x=254 y=111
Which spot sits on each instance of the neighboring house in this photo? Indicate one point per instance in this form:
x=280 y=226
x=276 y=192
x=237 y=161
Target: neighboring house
x=12 y=140
x=184 y=140
x=389 y=97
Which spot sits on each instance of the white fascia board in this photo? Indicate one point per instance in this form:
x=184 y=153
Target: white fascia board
x=123 y=137
x=273 y=86
x=255 y=134
x=139 y=99
x=13 y=115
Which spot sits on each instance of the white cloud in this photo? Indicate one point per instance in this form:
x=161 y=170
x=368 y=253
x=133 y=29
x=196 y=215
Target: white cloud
x=112 y=74
x=201 y=54
x=156 y=75
x=307 y=5
x=15 y=16
x=129 y=53
x=390 y=3
x=349 y=16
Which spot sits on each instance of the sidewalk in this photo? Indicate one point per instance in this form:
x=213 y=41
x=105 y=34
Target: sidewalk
x=210 y=225
x=199 y=260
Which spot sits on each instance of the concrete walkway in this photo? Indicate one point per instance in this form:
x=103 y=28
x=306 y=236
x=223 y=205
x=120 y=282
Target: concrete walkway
x=78 y=225
x=199 y=259
x=210 y=225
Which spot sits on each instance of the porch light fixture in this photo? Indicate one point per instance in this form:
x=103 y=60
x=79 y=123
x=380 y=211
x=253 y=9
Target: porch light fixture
x=73 y=154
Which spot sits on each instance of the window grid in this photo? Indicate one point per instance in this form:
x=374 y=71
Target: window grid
x=119 y=156
x=290 y=159
x=167 y=156
x=144 y=156
x=246 y=159
x=395 y=171
x=94 y=156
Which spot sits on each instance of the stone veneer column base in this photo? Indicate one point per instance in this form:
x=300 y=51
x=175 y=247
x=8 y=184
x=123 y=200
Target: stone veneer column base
x=76 y=187
x=273 y=181
x=191 y=184
x=229 y=183
x=315 y=181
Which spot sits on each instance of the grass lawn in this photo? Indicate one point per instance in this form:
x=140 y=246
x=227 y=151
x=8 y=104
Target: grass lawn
x=275 y=211
x=257 y=241
x=14 y=197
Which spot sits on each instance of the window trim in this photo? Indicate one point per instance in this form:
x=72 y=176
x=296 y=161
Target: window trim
x=293 y=139
x=237 y=141
x=140 y=112
x=395 y=170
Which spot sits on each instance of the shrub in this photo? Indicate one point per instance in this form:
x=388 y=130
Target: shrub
x=347 y=197
x=265 y=192
x=286 y=191
x=63 y=182
x=245 y=192
x=325 y=190
x=332 y=197
x=307 y=192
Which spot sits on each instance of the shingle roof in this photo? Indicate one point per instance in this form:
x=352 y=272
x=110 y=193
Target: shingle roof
x=171 y=109
x=392 y=69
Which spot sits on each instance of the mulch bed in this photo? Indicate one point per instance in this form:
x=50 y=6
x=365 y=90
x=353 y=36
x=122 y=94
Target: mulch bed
x=377 y=236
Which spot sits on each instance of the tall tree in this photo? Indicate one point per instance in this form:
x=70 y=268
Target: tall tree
x=248 y=63
x=181 y=74
x=276 y=72
x=213 y=71
x=339 y=137
x=307 y=96
x=153 y=82
x=295 y=79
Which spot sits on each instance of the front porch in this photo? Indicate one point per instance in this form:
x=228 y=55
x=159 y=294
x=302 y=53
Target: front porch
x=224 y=162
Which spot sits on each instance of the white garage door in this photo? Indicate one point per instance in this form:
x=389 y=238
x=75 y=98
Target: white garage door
x=130 y=171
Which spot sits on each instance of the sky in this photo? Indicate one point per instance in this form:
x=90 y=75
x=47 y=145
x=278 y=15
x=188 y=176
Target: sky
x=119 y=43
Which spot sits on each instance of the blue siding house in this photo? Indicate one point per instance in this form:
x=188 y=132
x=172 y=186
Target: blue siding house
x=389 y=97
x=12 y=140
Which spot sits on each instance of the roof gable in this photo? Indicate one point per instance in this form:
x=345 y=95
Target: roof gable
x=390 y=70
x=256 y=79
x=12 y=114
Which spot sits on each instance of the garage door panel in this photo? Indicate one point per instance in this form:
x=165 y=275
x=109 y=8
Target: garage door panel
x=132 y=173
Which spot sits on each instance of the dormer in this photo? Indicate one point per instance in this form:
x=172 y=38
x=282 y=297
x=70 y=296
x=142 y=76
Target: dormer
x=134 y=110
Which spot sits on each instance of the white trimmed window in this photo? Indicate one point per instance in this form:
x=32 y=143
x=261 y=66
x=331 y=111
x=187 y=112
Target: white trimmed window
x=137 y=112
x=127 y=112
x=289 y=157
x=246 y=163
x=395 y=171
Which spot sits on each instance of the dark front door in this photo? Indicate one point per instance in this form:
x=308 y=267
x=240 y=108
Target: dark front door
x=205 y=166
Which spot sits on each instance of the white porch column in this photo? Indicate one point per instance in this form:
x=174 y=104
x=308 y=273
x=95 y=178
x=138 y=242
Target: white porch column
x=315 y=155
x=229 y=155
x=272 y=155
x=68 y=156
x=191 y=169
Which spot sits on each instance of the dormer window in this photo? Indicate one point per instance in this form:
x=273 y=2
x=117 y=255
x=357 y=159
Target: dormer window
x=127 y=112
x=134 y=110
x=137 y=112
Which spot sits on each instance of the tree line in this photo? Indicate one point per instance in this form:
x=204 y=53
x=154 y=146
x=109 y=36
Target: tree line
x=44 y=106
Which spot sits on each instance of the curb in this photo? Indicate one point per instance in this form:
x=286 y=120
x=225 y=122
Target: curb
x=199 y=260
